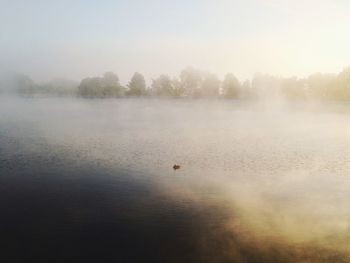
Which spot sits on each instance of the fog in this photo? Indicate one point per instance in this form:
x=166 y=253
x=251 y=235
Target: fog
x=100 y=101
x=257 y=179
x=74 y=40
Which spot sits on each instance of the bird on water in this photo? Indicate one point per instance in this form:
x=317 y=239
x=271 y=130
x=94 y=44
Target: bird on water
x=176 y=167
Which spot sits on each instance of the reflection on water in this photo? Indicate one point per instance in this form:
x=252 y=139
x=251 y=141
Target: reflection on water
x=93 y=179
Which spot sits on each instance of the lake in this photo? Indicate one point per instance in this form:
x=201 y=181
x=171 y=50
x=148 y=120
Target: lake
x=92 y=180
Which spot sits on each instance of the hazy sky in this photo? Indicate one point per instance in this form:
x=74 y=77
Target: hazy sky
x=81 y=38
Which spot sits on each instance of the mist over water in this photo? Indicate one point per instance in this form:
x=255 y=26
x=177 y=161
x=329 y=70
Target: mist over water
x=260 y=182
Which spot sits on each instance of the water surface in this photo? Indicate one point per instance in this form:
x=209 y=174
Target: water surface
x=92 y=180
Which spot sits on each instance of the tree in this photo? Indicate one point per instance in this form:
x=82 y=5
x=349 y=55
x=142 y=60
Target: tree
x=179 y=90
x=110 y=79
x=230 y=86
x=190 y=79
x=246 y=89
x=163 y=86
x=319 y=85
x=340 y=86
x=24 y=85
x=89 y=87
x=111 y=86
x=210 y=86
x=97 y=87
x=137 y=85
x=59 y=87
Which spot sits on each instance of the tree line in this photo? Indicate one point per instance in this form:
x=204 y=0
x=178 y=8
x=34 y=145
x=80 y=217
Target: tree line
x=193 y=83
x=190 y=83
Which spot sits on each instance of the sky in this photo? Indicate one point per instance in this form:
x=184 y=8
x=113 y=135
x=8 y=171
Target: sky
x=79 y=38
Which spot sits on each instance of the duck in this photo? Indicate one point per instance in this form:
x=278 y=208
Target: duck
x=176 y=167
